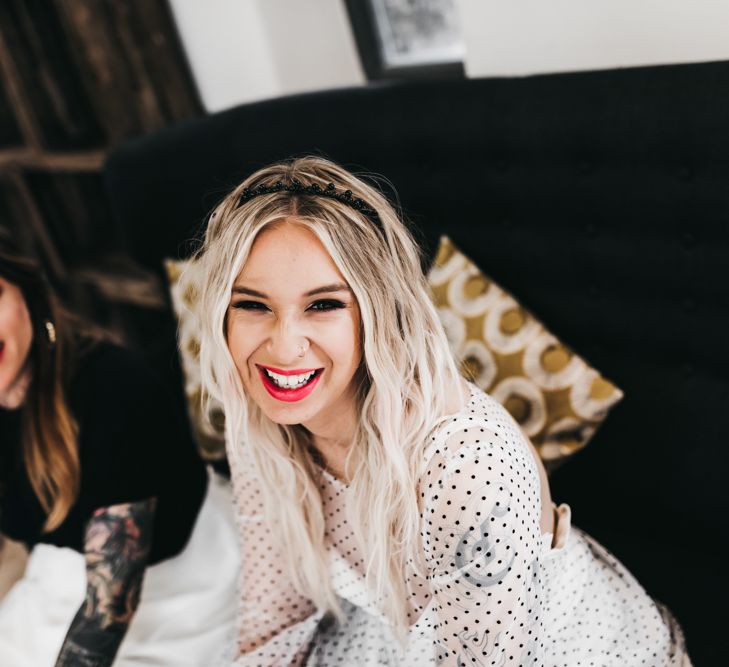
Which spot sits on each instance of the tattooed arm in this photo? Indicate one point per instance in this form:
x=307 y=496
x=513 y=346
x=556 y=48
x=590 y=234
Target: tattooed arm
x=116 y=547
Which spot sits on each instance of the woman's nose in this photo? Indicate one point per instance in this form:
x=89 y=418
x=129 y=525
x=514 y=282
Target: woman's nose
x=286 y=342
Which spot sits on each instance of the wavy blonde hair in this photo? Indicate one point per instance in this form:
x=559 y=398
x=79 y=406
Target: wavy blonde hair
x=403 y=384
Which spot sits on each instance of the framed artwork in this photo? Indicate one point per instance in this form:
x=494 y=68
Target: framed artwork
x=408 y=38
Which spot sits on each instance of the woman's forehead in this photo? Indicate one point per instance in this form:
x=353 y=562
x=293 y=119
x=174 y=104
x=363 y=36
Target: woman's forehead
x=290 y=258
x=290 y=249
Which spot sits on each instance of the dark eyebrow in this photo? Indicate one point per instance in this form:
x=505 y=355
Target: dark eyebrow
x=244 y=290
x=335 y=287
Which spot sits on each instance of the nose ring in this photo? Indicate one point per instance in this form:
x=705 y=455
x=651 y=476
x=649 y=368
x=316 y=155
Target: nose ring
x=302 y=351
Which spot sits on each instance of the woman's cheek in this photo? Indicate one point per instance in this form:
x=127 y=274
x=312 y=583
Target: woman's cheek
x=236 y=342
x=244 y=339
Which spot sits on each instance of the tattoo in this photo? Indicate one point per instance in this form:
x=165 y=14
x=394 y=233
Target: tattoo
x=116 y=547
x=478 y=548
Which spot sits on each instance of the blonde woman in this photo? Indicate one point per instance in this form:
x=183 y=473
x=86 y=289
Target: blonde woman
x=390 y=512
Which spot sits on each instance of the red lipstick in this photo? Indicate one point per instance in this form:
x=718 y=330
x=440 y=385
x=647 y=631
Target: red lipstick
x=288 y=395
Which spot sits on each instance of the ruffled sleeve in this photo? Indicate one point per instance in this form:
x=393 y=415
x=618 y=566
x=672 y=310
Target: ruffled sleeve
x=481 y=539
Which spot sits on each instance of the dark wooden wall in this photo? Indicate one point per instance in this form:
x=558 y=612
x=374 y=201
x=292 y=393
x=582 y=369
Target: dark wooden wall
x=77 y=78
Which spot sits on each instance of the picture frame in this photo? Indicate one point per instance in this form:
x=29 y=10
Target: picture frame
x=408 y=38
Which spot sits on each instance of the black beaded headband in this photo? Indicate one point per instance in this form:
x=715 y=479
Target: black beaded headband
x=296 y=187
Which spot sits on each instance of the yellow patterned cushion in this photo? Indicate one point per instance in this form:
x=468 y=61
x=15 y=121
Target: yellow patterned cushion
x=556 y=397
x=209 y=430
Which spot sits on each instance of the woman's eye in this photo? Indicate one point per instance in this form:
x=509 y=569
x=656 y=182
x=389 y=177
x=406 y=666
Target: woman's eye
x=249 y=305
x=326 y=304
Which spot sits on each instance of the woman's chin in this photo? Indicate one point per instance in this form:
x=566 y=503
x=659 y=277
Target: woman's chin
x=13 y=395
x=282 y=413
x=283 y=421
x=11 y=400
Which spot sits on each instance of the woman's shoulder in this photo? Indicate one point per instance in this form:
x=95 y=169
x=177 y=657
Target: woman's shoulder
x=134 y=440
x=480 y=410
x=113 y=387
x=123 y=409
x=475 y=453
x=481 y=421
x=110 y=368
x=101 y=353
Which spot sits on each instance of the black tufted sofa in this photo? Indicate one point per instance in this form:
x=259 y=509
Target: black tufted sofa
x=601 y=200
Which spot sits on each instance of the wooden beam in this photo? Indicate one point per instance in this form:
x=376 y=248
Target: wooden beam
x=144 y=290
x=17 y=96
x=35 y=219
x=31 y=158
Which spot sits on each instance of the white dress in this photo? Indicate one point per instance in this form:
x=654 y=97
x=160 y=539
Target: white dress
x=496 y=590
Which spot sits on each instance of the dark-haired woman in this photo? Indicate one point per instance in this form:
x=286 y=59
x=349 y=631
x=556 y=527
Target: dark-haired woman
x=98 y=477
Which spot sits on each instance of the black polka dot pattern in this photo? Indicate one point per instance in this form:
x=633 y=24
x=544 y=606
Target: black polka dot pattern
x=495 y=590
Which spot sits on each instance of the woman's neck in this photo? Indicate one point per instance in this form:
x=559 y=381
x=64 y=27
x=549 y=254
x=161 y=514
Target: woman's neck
x=333 y=449
x=333 y=454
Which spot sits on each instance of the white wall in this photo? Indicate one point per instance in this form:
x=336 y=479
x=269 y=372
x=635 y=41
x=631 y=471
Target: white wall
x=247 y=50
x=514 y=37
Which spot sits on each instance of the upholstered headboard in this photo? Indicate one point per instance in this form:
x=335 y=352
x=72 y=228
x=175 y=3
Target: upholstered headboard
x=600 y=199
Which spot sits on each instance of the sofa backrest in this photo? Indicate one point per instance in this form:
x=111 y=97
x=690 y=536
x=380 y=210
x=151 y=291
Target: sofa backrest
x=600 y=199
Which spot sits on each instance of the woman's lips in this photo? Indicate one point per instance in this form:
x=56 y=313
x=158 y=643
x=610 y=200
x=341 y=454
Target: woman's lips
x=289 y=395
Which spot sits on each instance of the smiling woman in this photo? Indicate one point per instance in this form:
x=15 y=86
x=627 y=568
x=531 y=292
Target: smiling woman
x=301 y=335
x=390 y=512
x=307 y=268
x=100 y=481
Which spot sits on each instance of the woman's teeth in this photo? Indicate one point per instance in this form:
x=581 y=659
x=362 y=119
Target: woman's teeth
x=290 y=381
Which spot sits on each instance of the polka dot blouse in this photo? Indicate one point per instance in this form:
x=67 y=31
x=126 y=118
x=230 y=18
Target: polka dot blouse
x=495 y=590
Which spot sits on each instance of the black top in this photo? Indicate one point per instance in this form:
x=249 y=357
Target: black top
x=133 y=444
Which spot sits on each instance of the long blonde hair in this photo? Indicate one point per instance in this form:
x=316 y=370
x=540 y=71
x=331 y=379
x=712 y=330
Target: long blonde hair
x=404 y=382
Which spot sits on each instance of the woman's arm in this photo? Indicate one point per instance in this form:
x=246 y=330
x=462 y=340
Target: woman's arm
x=116 y=547
x=481 y=529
